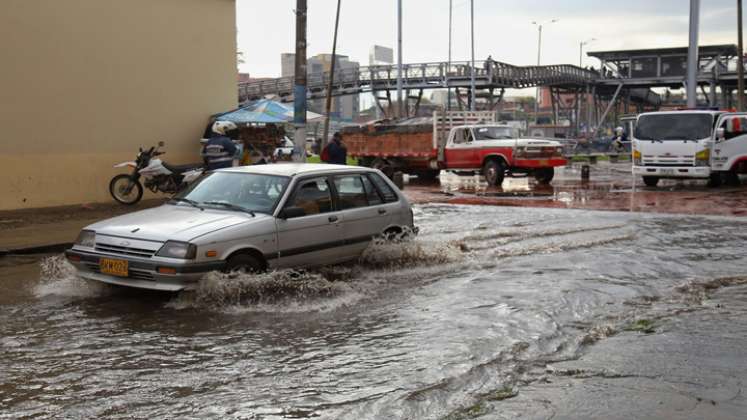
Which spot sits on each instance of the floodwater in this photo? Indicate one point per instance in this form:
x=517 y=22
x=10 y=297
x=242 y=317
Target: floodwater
x=611 y=187
x=476 y=318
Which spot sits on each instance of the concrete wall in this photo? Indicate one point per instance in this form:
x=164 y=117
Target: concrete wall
x=84 y=83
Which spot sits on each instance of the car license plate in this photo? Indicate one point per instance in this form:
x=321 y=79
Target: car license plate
x=543 y=162
x=113 y=267
x=667 y=171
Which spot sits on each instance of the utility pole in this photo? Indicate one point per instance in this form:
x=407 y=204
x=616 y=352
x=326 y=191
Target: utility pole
x=399 y=59
x=448 y=66
x=299 y=85
x=740 y=60
x=539 y=57
x=472 y=80
x=328 y=107
x=692 y=55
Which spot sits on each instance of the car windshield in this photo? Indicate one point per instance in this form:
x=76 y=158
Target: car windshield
x=237 y=191
x=494 y=133
x=687 y=126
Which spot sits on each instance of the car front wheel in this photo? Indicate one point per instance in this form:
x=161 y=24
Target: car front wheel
x=244 y=263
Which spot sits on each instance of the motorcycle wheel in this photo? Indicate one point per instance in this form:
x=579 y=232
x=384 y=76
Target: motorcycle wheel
x=124 y=190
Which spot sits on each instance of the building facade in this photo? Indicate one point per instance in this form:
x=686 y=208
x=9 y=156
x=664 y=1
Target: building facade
x=87 y=82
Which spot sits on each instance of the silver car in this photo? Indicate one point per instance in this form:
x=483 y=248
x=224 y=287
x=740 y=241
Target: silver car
x=249 y=218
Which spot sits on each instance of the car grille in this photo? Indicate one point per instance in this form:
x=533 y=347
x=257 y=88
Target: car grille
x=123 y=250
x=133 y=273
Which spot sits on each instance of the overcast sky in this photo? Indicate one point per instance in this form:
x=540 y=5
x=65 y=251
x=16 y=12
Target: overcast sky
x=503 y=28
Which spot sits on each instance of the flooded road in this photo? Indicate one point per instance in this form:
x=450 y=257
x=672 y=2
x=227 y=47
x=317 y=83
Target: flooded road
x=493 y=312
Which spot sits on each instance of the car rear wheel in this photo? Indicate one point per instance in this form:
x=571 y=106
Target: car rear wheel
x=494 y=172
x=244 y=263
x=544 y=175
x=651 y=181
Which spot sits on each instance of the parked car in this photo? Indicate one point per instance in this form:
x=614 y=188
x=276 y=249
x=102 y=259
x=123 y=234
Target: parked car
x=253 y=218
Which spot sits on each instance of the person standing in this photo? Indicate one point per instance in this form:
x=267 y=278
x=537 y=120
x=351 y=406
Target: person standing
x=336 y=152
x=218 y=152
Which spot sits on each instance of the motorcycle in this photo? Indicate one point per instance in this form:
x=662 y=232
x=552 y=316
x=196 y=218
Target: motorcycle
x=158 y=176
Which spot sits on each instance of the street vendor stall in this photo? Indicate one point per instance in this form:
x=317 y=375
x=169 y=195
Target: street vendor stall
x=261 y=129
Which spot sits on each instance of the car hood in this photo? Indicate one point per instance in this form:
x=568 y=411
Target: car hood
x=172 y=222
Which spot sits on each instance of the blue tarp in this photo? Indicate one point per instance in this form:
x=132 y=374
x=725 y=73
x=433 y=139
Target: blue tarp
x=262 y=111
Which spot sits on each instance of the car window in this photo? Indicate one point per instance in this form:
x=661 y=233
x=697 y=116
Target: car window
x=384 y=189
x=350 y=192
x=313 y=196
x=372 y=194
x=459 y=136
x=259 y=193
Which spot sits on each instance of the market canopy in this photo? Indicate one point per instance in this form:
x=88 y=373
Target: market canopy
x=264 y=111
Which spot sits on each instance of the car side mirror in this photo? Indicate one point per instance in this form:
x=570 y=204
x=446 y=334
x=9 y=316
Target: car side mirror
x=161 y=144
x=291 y=212
x=720 y=134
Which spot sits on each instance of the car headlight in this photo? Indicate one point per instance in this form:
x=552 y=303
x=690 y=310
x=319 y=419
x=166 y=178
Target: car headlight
x=701 y=158
x=175 y=249
x=636 y=157
x=86 y=238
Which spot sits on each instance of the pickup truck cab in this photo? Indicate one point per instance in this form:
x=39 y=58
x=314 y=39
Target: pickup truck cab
x=497 y=150
x=674 y=144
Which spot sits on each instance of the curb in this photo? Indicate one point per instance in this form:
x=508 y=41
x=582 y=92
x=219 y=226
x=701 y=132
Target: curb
x=41 y=249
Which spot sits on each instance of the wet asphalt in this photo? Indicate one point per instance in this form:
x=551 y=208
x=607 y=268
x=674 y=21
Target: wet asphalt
x=492 y=312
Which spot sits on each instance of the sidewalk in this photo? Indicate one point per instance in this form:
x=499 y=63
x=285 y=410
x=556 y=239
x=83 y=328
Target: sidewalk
x=53 y=229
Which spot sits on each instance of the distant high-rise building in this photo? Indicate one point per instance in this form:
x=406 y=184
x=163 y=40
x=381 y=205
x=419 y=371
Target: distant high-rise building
x=344 y=107
x=380 y=55
x=287 y=64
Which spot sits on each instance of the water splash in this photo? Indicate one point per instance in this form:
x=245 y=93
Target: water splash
x=59 y=278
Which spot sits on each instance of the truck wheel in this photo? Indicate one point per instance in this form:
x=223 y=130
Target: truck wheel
x=651 y=181
x=544 y=175
x=714 y=180
x=383 y=166
x=427 y=174
x=494 y=171
x=732 y=179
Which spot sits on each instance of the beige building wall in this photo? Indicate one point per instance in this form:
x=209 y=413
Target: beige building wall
x=84 y=83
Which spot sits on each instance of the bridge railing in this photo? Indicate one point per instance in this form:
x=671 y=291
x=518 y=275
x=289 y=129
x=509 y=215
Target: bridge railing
x=433 y=74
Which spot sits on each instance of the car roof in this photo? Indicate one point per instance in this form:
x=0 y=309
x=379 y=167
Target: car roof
x=685 y=111
x=292 y=169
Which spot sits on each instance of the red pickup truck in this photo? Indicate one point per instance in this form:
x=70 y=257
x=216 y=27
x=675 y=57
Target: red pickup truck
x=460 y=141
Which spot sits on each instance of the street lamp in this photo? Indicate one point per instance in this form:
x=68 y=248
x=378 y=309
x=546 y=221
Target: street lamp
x=581 y=50
x=539 y=57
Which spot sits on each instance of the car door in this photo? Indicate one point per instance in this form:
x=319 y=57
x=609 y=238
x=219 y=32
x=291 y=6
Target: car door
x=363 y=209
x=315 y=236
x=730 y=144
x=460 y=151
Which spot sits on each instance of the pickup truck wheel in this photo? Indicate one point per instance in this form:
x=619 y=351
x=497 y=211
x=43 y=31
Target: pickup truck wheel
x=494 y=172
x=244 y=263
x=544 y=175
x=651 y=181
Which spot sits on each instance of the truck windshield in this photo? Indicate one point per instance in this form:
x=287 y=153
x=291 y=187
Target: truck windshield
x=494 y=133
x=685 y=126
